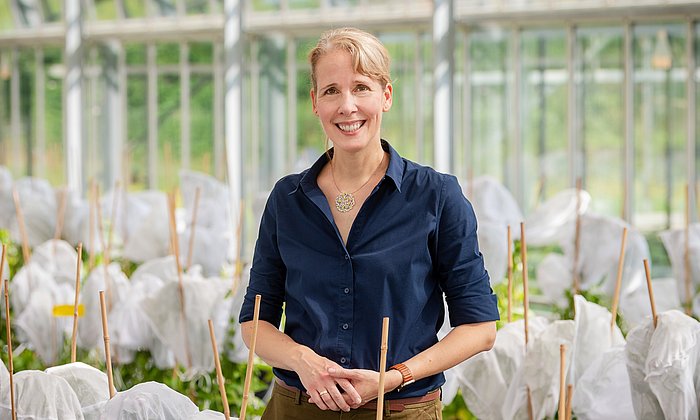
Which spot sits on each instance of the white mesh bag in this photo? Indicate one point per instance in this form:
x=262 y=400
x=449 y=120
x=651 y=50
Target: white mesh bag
x=672 y=365
x=149 y=401
x=76 y=223
x=493 y=203
x=674 y=242
x=4 y=381
x=40 y=396
x=555 y=218
x=38 y=203
x=164 y=312
x=554 y=278
x=28 y=279
x=540 y=372
x=210 y=415
x=493 y=244
x=58 y=258
x=644 y=402
x=603 y=391
x=89 y=384
x=149 y=237
x=7 y=207
x=213 y=210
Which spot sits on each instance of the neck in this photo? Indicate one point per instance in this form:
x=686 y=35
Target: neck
x=353 y=166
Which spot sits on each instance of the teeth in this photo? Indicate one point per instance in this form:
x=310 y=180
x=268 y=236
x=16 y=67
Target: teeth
x=350 y=127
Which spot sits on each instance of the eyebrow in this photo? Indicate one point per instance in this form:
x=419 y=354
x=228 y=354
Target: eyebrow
x=356 y=82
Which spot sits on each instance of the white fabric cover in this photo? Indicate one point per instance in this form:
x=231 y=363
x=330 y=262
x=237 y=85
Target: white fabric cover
x=89 y=384
x=7 y=208
x=90 y=326
x=4 y=380
x=485 y=377
x=38 y=202
x=554 y=278
x=226 y=314
x=540 y=372
x=76 y=223
x=638 y=307
x=149 y=231
x=493 y=203
x=603 y=391
x=210 y=415
x=40 y=396
x=493 y=244
x=58 y=258
x=164 y=312
x=674 y=242
x=672 y=365
x=555 y=218
x=646 y=405
x=593 y=336
x=29 y=278
x=149 y=401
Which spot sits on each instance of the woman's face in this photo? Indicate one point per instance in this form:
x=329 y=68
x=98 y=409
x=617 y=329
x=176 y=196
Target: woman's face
x=349 y=104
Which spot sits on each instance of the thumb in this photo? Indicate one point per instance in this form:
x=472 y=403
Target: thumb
x=338 y=372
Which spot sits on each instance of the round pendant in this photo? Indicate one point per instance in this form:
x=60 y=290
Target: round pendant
x=344 y=202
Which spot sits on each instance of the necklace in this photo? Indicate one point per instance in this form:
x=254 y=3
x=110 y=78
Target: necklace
x=344 y=202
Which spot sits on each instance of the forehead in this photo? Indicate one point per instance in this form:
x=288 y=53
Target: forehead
x=336 y=66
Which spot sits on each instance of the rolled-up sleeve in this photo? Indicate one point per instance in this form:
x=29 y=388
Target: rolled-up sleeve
x=460 y=265
x=268 y=272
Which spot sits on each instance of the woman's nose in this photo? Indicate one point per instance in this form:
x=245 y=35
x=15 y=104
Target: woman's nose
x=347 y=104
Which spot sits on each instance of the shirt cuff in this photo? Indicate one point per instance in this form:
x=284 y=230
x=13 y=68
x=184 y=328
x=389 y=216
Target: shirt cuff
x=473 y=309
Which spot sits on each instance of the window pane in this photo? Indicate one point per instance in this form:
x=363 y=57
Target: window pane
x=136 y=156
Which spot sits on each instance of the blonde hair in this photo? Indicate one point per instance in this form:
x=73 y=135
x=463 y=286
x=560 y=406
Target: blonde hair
x=369 y=56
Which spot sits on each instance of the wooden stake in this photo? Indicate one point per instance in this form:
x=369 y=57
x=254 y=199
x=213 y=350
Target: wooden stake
x=618 y=283
x=523 y=257
x=22 y=227
x=251 y=356
x=181 y=288
x=569 y=397
x=105 y=334
x=8 y=327
x=219 y=376
x=382 y=367
x=651 y=291
x=530 y=411
x=105 y=249
x=112 y=217
x=577 y=238
x=686 y=257
x=562 y=380
x=60 y=217
x=192 y=227
x=510 y=275
x=73 y=340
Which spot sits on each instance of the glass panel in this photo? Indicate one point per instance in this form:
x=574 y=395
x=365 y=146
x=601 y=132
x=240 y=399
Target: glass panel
x=136 y=156
x=105 y=9
x=27 y=87
x=601 y=109
x=197 y=7
x=53 y=10
x=201 y=52
x=660 y=121
x=168 y=54
x=544 y=123
x=55 y=156
x=265 y=5
x=6 y=21
x=304 y=4
x=169 y=158
x=202 y=122
x=5 y=131
x=310 y=138
x=135 y=8
x=488 y=56
x=94 y=148
x=135 y=54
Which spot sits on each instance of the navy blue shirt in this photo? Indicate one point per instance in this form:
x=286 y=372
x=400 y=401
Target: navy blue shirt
x=413 y=240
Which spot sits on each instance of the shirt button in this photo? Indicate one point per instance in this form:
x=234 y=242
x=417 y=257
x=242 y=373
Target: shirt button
x=347 y=257
x=346 y=326
x=343 y=360
x=346 y=290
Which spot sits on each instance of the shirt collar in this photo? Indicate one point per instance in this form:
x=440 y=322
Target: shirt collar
x=394 y=171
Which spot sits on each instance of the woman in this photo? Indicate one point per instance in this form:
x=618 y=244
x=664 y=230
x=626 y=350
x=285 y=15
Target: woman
x=361 y=235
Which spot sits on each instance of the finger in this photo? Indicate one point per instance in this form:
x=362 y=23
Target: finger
x=337 y=373
x=328 y=400
x=338 y=398
x=351 y=395
x=316 y=399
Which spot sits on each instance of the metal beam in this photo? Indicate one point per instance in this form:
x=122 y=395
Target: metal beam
x=629 y=188
x=218 y=106
x=40 y=95
x=291 y=104
x=443 y=42
x=73 y=111
x=691 y=141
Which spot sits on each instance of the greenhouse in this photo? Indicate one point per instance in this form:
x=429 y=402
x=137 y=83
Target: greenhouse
x=142 y=142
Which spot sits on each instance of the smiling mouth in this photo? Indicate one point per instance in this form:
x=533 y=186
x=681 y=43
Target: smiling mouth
x=349 y=128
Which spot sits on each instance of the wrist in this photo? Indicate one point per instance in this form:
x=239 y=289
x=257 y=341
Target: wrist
x=393 y=380
x=406 y=375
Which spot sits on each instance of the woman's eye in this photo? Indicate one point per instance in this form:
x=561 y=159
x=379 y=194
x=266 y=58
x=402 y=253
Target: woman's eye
x=331 y=91
x=362 y=88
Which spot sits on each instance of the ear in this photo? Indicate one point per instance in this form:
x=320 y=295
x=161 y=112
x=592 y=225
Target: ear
x=313 y=101
x=388 y=97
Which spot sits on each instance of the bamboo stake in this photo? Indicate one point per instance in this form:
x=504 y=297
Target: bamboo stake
x=651 y=292
x=562 y=379
x=105 y=334
x=60 y=217
x=73 y=340
x=192 y=226
x=22 y=227
x=526 y=300
x=251 y=355
x=569 y=397
x=510 y=275
x=105 y=250
x=382 y=367
x=112 y=217
x=219 y=376
x=8 y=327
x=618 y=283
x=180 y=287
x=238 y=269
x=577 y=238
x=526 y=304
x=686 y=256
